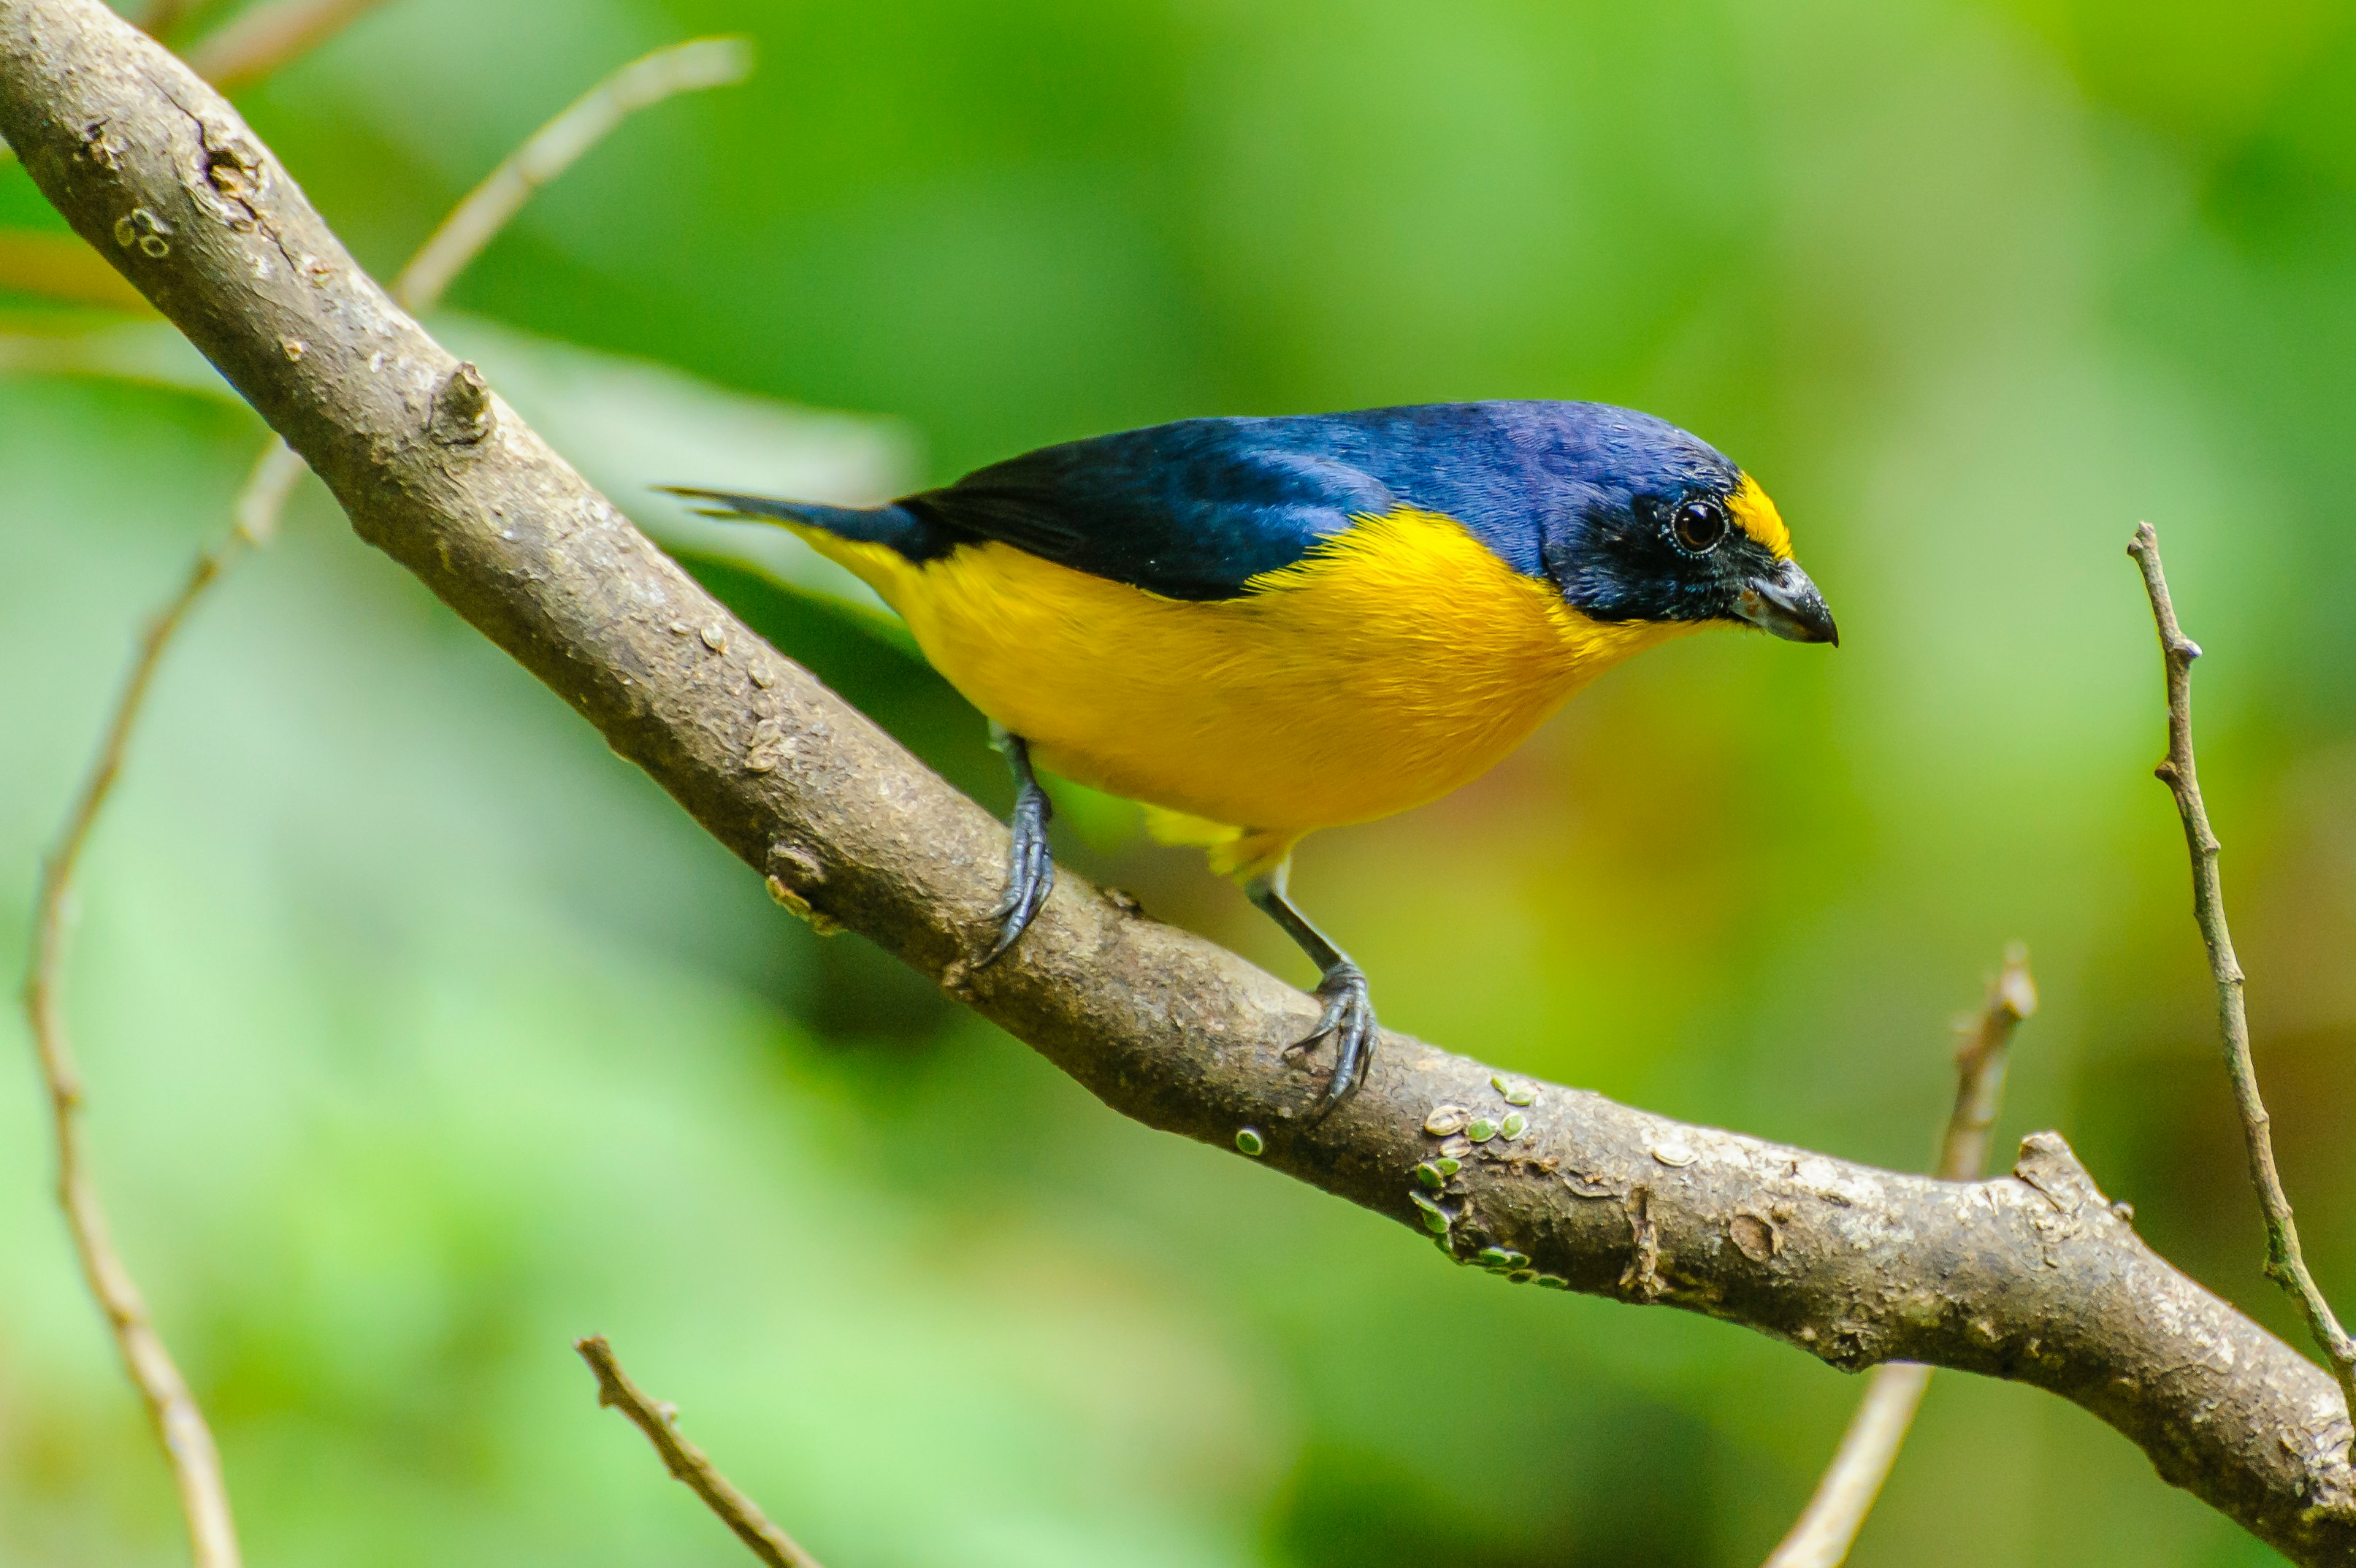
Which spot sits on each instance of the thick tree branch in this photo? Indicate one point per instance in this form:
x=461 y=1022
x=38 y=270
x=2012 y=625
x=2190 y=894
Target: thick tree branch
x=686 y=1463
x=2032 y=1278
x=2286 y=1264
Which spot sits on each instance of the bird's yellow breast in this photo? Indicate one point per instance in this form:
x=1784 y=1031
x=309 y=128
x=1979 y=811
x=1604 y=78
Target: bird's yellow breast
x=1397 y=661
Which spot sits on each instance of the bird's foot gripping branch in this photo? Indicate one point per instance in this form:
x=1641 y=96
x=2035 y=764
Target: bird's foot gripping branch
x=2031 y=1276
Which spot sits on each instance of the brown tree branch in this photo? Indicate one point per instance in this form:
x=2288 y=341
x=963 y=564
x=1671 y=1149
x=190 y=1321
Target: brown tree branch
x=686 y=1463
x=2032 y=1277
x=2286 y=1264
x=1826 y=1528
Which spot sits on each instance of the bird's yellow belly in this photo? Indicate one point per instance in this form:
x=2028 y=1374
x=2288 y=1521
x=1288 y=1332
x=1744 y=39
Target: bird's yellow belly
x=1399 y=661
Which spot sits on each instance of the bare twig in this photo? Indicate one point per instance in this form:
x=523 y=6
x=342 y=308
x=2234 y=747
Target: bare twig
x=258 y=41
x=1828 y=1527
x=686 y=1463
x=179 y=1424
x=187 y=1441
x=255 y=44
x=2286 y=1264
x=261 y=502
x=1981 y=1057
x=554 y=148
x=2035 y=1277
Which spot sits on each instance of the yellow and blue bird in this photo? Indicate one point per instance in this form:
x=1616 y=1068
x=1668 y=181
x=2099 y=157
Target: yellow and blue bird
x=1262 y=626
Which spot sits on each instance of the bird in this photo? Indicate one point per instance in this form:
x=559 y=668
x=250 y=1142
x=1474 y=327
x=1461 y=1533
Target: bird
x=1259 y=627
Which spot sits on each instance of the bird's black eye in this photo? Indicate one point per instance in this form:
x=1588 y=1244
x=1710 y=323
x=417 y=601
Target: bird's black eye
x=1699 y=525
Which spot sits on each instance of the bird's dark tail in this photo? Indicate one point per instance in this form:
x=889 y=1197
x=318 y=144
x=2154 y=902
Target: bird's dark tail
x=897 y=527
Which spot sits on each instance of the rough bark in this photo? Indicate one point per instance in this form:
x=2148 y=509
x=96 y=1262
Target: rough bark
x=2032 y=1277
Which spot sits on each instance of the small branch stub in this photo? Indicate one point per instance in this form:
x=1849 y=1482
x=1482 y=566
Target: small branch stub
x=1641 y=1279
x=462 y=408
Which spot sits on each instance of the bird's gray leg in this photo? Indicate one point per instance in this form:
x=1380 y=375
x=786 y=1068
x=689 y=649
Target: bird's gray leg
x=1030 y=868
x=1349 y=1015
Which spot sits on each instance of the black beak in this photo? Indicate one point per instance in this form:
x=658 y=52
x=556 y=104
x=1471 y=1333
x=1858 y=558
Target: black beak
x=1787 y=603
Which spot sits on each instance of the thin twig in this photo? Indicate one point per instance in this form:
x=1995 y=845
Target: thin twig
x=554 y=148
x=253 y=44
x=258 y=41
x=179 y=1425
x=1828 y=1527
x=1981 y=1056
x=63 y=268
x=262 y=501
x=686 y=1463
x=2286 y=1264
x=187 y=1441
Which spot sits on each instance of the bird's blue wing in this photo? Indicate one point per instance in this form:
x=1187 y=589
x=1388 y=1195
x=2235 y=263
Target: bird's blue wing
x=1193 y=511
x=1197 y=508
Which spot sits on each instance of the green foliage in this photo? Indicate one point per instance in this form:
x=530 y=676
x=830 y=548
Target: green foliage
x=421 y=1033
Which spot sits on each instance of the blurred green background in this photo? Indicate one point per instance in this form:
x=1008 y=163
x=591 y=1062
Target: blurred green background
x=421 y=1033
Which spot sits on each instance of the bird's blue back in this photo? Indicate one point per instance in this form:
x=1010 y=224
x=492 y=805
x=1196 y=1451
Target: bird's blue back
x=1196 y=509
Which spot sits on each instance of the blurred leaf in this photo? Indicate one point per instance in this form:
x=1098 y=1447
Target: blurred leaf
x=627 y=424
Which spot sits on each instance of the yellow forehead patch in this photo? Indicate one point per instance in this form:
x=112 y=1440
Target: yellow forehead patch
x=1759 y=519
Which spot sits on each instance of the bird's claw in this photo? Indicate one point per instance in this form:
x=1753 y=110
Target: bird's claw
x=1029 y=872
x=1349 y=1021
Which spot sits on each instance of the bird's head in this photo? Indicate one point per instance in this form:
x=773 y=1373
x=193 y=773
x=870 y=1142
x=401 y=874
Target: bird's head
x=1657 y=525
